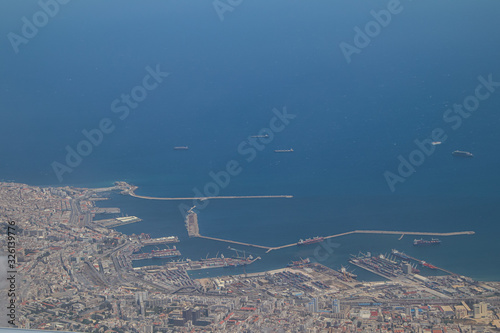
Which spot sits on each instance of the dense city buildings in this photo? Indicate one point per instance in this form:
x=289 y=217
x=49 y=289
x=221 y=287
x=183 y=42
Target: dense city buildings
x=75 y=273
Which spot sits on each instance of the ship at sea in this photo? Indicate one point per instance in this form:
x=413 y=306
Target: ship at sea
x=181 y=148
x=421 y=242
x=310 y=240
x=260 y=136
x=284 y=150
x=460 y=153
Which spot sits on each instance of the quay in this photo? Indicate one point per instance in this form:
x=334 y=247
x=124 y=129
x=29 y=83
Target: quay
x=119 y=221
x=438 y=268
x=161 y=240
x=192 y=224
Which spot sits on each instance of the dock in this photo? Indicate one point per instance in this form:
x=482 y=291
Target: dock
x=117 y=222
x=161 y=240
x=438 y=268
x=192 y=224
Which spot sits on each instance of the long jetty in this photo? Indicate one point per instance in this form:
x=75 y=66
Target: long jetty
x=217 y=197
x=235 y=242
x=193 y=231
x=385 y=232
x=128 y=189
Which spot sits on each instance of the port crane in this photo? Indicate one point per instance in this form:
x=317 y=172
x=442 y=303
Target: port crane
x=238 y=253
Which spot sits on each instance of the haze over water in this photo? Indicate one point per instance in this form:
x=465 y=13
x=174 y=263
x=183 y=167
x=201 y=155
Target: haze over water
x=352 y=120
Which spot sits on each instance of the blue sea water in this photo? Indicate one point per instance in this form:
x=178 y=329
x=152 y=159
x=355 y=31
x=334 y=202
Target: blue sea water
x=352 y=120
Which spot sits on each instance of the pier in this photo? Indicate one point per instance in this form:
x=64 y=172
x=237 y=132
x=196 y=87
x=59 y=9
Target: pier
x=217 y=197
x=128 y=189
x=384 y=232
x=194 y=231
x=235 y=242
x=117 y=222
x=192 y=224
x=438 y=268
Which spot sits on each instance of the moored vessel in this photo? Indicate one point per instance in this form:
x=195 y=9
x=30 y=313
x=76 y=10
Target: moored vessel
x=421 y=242
x=308 y=241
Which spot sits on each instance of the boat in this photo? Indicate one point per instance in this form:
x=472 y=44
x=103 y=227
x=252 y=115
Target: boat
x=428 y=265
x=181 y=148
x=420 y=242
x=308 y=241
x=435 y=143
x=284 y=150
x=460 y=153
x=299 y=262
x=260 y=136
x=348 y=274
x=167 y=253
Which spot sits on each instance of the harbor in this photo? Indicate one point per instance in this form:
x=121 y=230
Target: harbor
x=392 y=266
x=157 y=254
x=193 y=230
x=161 y=240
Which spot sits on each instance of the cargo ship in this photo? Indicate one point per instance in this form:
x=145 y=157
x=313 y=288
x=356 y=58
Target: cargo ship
x=348 y=274
x=181 y=148
x=428 y=265
x=310 y=240
x=166 y=253
x=301 y=262
x=158 y=254
x=460 y=153
x=260 y=136
x=421 y=242
x=284 y=150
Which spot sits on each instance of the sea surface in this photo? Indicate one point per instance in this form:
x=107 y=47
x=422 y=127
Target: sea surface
x=348 y=122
